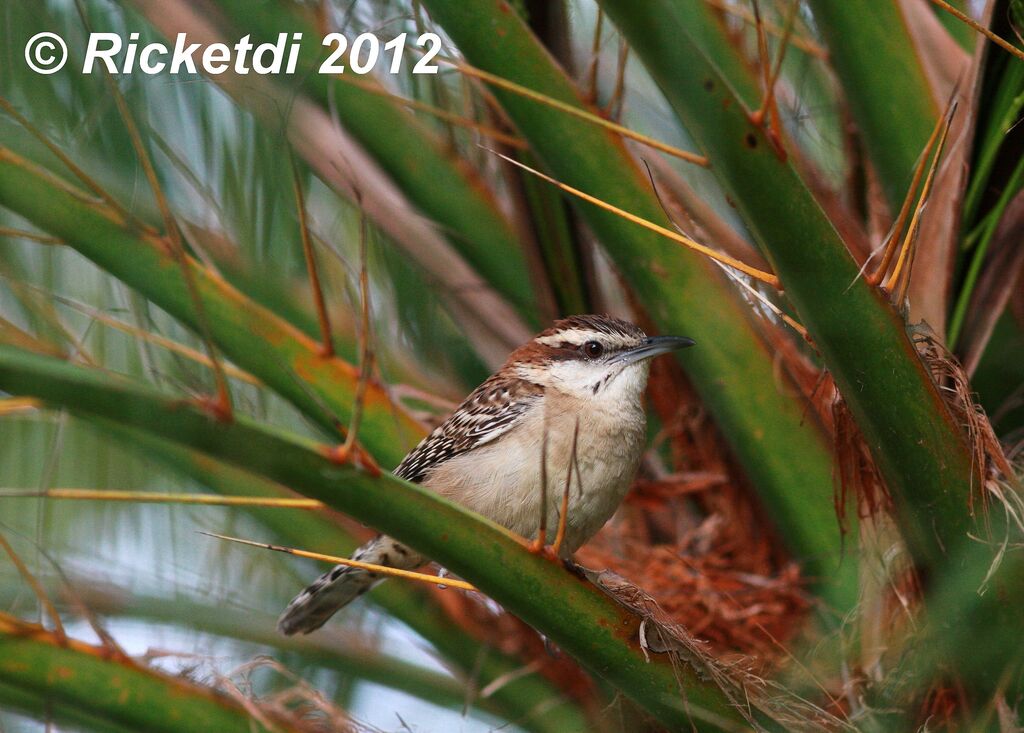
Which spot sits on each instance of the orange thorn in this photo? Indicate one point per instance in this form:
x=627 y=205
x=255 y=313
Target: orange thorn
x=216 y=407
x=340 y=454
x=893 y=240
x=775 y=139
x=769 y=110
x=44 y=600
x=326 y=349
x=351 y=453
x=765 y=277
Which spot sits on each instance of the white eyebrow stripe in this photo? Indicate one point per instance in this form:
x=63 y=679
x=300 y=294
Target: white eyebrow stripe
x=574 y=336
x=580 y=336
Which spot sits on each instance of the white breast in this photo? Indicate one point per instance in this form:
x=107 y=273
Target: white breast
x=502 y=480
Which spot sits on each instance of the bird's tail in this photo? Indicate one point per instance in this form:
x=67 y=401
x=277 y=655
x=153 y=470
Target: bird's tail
x=341 y=585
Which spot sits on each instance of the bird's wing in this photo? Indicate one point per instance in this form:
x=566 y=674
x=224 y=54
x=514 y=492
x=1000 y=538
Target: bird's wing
x=489 y=412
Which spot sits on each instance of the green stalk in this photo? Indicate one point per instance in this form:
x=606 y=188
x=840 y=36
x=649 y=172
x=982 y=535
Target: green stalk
x=921 y=452
x=573 y=613
x=11 y=334
x=1003 y=112
x=975 y=628
x=41 y=705
x=288 y=361
x=977 y=256
x=782 y=449
x=556 y=242
x=998 y=376
x=362 y=662
x=265 y=345
x=1000 y=112
x=428 y=173
x=884 y=83
x=525 y=700
x=87 y=682
x=366 y=664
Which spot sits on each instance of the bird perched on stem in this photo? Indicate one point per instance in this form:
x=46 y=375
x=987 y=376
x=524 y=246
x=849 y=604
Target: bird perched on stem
x=561 y=423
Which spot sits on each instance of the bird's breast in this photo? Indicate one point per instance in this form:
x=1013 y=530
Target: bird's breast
x=503 y=480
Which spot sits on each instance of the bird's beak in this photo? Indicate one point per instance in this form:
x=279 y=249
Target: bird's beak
x=653 y=346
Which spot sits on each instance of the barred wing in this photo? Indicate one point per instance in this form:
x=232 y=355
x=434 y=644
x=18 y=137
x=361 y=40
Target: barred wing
x=490 y=411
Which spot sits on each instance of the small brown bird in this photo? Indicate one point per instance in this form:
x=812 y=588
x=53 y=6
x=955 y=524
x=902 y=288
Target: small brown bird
x=585 y=371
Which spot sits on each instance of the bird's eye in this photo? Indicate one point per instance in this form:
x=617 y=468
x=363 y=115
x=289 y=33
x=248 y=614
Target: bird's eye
x=593 y=349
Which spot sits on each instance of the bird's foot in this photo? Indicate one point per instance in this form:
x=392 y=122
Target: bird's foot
x=538 y=546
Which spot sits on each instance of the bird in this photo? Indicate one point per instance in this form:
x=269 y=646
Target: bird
x=571 y=395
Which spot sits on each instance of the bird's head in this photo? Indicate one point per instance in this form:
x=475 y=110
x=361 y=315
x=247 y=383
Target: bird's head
x=592 y=357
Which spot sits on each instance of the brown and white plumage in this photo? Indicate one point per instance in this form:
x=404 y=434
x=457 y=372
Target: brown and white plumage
x=590 y=370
